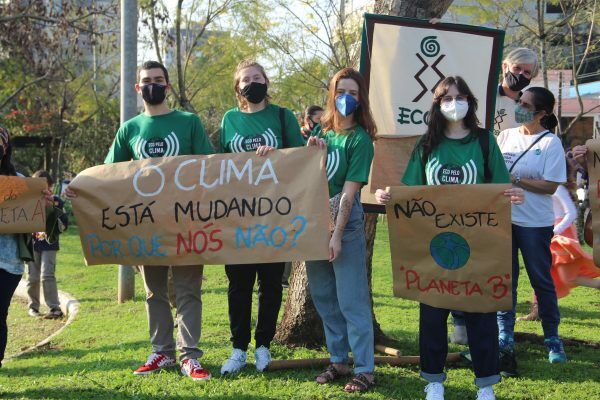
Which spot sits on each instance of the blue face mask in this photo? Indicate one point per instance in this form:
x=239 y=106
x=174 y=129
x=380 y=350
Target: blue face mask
x=345 y=104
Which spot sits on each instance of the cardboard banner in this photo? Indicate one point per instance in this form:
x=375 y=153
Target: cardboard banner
x=403 y=60
x=22 y=204
x=593 y=164
x=451 y=246
x=218 y=209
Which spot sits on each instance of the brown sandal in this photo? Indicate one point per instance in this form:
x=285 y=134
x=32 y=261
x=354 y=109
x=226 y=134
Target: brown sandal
x=360 y=382
x=330 y=374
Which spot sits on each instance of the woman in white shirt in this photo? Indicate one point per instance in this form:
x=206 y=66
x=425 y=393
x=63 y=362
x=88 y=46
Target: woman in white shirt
x=536 y=161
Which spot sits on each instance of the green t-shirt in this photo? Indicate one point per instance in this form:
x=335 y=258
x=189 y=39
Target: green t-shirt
x=456 y=161
x=174 y=134
x=241 y=132
x=349 y=157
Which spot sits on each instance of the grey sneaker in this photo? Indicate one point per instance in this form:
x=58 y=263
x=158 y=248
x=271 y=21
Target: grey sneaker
x=262 y=358
x=34 y=313
x=435 y=391
x=235 y=363
x=486 y=393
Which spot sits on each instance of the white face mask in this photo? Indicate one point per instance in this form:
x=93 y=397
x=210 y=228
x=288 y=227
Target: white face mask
x=454 y=110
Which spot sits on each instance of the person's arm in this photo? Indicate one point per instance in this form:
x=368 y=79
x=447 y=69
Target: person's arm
x=346 y=201
x=536 y=185
x=580 y=155
x=554 y=170
x=200 y=142
x=120 y=150
x=562 y=195
x=360 y=155
x=414 y=175
x=292 y=130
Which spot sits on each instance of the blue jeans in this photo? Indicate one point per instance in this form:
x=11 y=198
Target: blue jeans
x=340 y=292
x=483 y=344
x=534 y=244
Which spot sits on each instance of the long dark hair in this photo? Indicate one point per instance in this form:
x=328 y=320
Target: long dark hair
x=331 y=119
x=6 y=167
x=438 y=123
x=543 y=100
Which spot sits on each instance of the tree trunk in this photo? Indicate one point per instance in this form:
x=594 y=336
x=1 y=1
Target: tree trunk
x=300 y=324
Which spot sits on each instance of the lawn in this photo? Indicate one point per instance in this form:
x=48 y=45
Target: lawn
x=94 y=357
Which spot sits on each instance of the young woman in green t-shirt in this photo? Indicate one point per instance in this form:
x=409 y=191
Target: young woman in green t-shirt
x=450 y=145
x=339 y=286
x=255 y=125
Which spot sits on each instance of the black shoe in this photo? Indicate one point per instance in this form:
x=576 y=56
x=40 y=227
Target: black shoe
x=508 y=364
x=54 y=314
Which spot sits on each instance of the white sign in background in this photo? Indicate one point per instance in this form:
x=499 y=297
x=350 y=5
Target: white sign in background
x=408 y=62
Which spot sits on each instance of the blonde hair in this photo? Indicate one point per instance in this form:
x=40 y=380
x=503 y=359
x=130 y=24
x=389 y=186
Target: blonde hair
x=523 y=55
x=247 y=63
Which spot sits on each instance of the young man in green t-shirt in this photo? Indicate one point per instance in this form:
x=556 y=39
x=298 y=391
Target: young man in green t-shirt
x=162 y=132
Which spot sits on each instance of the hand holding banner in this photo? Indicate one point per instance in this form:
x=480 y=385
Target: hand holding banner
x=218 y=209
x=22 y=205
x=451 y=246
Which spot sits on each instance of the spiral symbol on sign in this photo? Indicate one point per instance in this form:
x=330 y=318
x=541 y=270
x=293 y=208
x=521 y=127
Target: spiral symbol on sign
x=429 y=46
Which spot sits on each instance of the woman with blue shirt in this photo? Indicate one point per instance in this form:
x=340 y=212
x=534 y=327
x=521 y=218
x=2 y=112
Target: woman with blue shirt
x=14 y=248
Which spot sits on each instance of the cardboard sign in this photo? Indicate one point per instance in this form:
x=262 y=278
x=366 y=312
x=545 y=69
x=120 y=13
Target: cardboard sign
x=22 y=204
x=218 y=209
x=451 y=246
x=593 y=164
x=403 y=60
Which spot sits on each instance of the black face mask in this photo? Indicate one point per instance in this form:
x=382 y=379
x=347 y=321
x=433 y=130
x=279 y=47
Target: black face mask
x=154 y=93
x=255 y=92
x=516 y=83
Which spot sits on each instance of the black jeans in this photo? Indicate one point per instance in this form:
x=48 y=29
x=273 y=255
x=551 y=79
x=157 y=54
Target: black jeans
x=241 y=284
x=8 y=285
x=482 y=331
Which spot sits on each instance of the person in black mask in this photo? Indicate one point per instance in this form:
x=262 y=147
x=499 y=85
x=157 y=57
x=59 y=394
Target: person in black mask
x=310 y=119
x=162 y=132
x=259 y=126
x=518 y=69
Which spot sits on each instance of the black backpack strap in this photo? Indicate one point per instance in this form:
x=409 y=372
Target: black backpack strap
x=282 y=122
x=484 y=142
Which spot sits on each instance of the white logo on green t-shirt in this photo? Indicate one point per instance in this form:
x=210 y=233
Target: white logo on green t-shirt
x=157 y=147
x=333 y=163
x=450 y=174
x=241 y=144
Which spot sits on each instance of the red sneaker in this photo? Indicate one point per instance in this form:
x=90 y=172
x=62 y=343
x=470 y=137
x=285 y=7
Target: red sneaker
x=192 y=368
x=155 y=363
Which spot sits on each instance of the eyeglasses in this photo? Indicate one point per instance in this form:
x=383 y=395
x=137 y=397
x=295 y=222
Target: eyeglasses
x=460 y=97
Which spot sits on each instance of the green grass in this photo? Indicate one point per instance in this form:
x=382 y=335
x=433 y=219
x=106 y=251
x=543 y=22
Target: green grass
x=94 y=357
x=25 y=331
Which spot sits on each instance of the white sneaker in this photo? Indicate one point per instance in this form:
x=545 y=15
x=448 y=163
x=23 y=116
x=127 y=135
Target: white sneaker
x=262 y=358
x=459 y=336
x=235 y=363
x=435 y=391
x=486 y=393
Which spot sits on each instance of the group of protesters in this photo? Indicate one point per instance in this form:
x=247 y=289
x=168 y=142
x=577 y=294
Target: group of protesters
x=525 y=152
